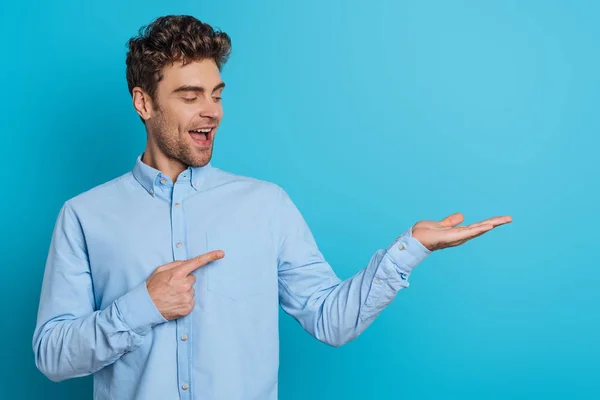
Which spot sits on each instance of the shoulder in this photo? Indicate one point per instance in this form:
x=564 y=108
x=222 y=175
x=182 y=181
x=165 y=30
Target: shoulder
x=245 y=185
x=102 y=193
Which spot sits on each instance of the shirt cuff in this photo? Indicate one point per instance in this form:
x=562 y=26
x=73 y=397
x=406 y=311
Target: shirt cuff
x=137 y=310
x=392 y=273
x=407 y=252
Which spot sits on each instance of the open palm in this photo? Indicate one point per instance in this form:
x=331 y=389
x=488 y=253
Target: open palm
x=446 y=233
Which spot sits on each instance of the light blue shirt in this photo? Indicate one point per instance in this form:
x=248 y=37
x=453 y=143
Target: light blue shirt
x=96 y=316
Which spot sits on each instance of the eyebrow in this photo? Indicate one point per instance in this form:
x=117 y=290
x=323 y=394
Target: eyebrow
x=200 y=89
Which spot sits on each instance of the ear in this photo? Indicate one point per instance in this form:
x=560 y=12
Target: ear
x=142 y=102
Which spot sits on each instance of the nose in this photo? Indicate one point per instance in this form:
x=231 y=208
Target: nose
x=210 y=109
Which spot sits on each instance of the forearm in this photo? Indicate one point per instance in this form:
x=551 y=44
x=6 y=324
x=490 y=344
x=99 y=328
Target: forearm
x=67 y=346
x=338 y=313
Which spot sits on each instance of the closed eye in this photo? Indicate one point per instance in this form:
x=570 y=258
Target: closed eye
x=189 y=99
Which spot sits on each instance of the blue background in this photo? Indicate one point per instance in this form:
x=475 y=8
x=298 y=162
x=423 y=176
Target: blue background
x=372 y=115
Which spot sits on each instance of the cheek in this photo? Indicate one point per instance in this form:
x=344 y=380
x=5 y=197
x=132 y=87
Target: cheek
x=180 y=118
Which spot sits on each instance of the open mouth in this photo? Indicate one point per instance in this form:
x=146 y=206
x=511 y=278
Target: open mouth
x=202 y=136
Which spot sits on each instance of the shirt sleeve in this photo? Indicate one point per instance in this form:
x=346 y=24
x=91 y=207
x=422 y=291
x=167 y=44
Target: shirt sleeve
x=335 y=311
x=72 y=338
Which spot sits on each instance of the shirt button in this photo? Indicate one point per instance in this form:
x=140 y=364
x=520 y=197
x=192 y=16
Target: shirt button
x=179 y=245
x=196 y=184
x=185 y=386
x=401 y=246
x=184 y=338
x=152 y=192
x=377 y=280
x=163 y=181
x=177 y=205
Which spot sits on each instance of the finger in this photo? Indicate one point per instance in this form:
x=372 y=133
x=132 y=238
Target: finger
x=496 y=221
x=170 y=265
x=465 y=233
x=194 y=263
x=452 y=220
x=188 y=306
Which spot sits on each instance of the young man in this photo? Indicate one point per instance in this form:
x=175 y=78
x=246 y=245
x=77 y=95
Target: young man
x=165 y=282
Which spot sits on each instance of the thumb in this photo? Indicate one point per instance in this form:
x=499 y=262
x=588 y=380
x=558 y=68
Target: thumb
x=194 y=263
x=452 y=220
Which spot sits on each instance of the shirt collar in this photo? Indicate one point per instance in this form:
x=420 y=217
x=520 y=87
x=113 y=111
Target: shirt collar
x=148 y=176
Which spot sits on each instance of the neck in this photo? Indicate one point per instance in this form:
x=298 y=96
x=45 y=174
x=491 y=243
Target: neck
x=168 y=166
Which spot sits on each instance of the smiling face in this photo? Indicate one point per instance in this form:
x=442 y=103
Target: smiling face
x=183 y=117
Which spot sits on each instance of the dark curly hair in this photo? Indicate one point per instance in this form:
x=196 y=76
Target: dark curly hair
x=170 y=39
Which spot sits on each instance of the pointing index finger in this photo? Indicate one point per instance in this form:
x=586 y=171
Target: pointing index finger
x=194 y=263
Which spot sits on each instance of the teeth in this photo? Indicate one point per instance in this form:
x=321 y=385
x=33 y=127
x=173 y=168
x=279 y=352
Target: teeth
x=205 y=130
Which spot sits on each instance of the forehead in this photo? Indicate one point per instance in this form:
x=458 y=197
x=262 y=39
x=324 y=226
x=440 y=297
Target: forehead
x=203 y=73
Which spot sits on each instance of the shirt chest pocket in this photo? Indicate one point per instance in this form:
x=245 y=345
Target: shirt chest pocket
x=249 y=267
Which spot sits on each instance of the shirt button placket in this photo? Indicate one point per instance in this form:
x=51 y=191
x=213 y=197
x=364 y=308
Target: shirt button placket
x=180 y=251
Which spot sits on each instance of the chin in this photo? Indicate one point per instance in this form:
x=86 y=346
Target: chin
x=202 y=160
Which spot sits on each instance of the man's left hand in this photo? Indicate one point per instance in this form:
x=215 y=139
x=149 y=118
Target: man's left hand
x=446 y=233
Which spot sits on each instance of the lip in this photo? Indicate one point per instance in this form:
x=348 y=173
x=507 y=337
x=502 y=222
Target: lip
x=209 y=137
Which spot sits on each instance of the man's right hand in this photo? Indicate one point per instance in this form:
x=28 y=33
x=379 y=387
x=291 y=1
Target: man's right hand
x=171 y=286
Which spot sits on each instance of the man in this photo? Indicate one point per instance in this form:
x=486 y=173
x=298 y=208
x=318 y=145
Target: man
x=165 y=282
